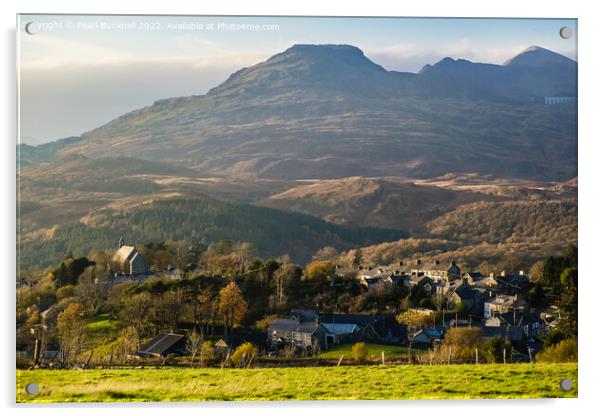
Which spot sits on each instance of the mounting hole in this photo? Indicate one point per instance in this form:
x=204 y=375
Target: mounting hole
x=566 y=32
x=32 y=389
x=566 y=384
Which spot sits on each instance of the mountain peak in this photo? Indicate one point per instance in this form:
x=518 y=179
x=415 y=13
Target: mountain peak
x=304 y=66
x=538 y=57
x=311 y=48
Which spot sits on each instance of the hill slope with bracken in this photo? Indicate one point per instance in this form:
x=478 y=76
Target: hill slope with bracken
x=378 y=202
x=327 y=111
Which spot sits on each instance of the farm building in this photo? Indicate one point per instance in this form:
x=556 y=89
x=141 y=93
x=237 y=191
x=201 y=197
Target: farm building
x=164 y=344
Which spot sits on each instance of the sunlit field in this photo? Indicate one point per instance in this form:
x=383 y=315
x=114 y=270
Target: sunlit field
x=493 y=381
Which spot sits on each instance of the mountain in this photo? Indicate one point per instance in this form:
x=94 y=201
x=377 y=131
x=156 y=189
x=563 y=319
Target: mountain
x=327 y=112
x=377 y=202
x=536 y=58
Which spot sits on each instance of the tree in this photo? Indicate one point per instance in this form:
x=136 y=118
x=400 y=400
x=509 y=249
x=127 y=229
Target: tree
x=207 y=352
x=65 y=292
x=71 y=327
x=358 y=258
x=494 y=349
x=325 y=254
x=69 y=270
x=565 y=351
x=568 y=303
x=171 y=306
x=93 y=288
x=537 y=295
x=320 y=271
x=359 y=352
x=244 y=355
x=137 y=311
x=414 y=319
x=128 y=342
x=536 y=272
x=232 y=305
x=463 y=342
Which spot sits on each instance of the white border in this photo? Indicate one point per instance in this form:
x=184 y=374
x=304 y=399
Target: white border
x=590 y=134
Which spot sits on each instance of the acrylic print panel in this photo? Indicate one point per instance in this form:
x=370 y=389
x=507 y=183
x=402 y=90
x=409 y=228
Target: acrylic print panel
x=216 y=208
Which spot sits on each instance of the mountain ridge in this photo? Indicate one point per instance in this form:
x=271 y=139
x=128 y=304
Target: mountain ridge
x=329 y=112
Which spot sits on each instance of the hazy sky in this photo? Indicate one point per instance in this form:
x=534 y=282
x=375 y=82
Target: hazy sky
x=78 y=72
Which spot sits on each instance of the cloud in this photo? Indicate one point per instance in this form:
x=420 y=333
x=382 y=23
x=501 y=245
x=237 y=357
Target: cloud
x=411 y=56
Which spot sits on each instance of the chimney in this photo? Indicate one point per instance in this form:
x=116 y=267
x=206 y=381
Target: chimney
x=503 y=273
x=401 y=264
x=491 y=274
x=521 y=273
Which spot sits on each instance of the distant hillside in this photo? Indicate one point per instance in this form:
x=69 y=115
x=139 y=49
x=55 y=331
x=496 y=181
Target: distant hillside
x=378 y=202
x=327 y=111
x=510 y=221
x=486 y=232
x=272 y=232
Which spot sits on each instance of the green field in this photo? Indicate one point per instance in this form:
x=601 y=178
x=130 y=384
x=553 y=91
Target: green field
x=315 y=383
x=374 y=351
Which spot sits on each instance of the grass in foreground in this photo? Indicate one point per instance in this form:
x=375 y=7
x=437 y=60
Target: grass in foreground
x=316 y=383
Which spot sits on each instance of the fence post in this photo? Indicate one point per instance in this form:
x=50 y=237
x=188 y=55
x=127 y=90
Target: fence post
x=504 y=355
x=382 y=353
x=340 y=360
x=476 y=350
x=448 y=355
x=530 y=356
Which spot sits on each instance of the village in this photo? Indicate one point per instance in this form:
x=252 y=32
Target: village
x=505 y=310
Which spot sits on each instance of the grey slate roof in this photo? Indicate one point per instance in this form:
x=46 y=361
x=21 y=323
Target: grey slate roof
x=161 y=344
x=292 y=325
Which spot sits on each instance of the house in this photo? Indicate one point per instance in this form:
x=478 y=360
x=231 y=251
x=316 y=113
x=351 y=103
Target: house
x=489 y=282
x=422 y=281
x=502 y=304
x=127 y=260
x=164 y=344
x=513 y=334
x=372 y=328
x=341 y=333
x=472 y=297
x=530 y=323
x=298 y=334
x=512 y=284
x=473 y=277
x=426 y=337
x=436 y=270
x=370 y=277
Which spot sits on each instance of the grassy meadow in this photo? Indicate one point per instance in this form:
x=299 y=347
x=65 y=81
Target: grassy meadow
x=301 y=383
x=374 y=351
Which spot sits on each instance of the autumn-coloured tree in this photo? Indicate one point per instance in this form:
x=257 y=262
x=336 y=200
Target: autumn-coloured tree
x=320 y=271
x=71 y=326
x=232 y=305
x=359 y=352
x=244 y=354
x=462 y=342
